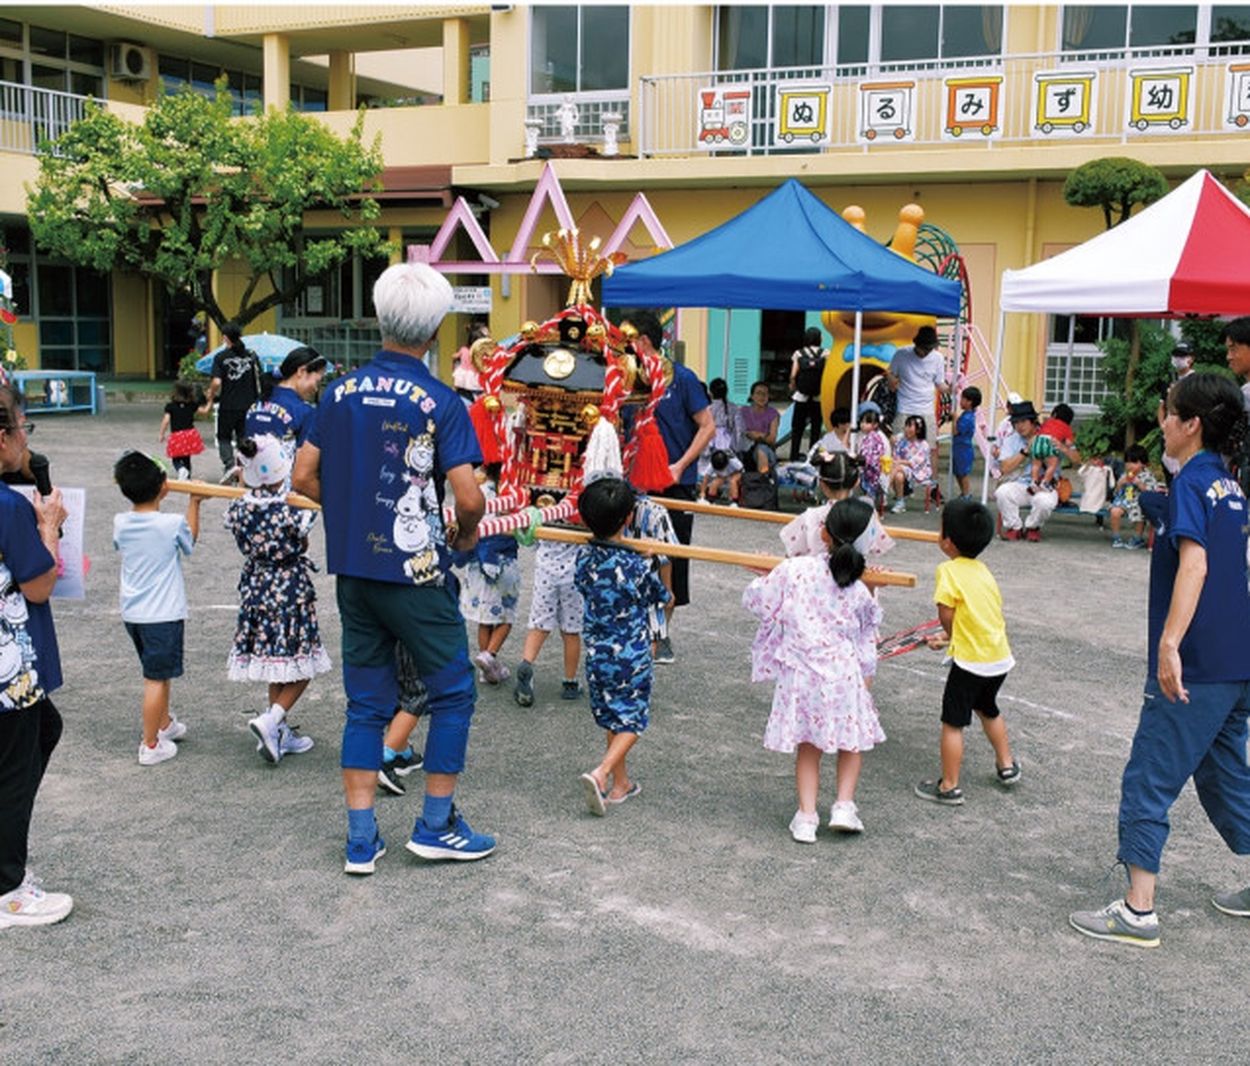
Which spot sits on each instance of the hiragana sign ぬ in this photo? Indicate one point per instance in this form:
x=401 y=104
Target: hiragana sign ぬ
x=802 y=113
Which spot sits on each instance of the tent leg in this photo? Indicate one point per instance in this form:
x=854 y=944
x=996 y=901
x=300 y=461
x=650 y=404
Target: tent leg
x=859 y=331
x=993 y=426
x=724 y=361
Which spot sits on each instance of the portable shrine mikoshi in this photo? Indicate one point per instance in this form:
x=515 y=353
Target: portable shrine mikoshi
x=568 y=535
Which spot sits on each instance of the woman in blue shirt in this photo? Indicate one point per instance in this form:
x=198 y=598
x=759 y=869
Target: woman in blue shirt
x=286 y=412
x=1197 y=698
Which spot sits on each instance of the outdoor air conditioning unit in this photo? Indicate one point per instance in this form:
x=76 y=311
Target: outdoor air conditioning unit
x=131 y=62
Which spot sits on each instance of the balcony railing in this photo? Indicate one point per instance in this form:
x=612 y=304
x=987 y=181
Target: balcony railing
x=1105 y=97
x=591 y=107
x=29 y=116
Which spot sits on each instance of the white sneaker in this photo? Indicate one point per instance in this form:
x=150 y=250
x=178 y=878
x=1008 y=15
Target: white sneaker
x=290 y=742
x=487 y=663
x=176 y=730
x=165 y=749
x=844 y=817
x=29 y=904
x=264 y=728
x=803 y=827
x=900 y=507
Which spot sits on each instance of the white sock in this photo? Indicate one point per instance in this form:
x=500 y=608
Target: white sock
x=278 y=713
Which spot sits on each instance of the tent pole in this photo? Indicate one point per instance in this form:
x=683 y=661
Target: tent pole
x=859 y=330
x=993 y=425
x=724 y=359
x=1067 y=372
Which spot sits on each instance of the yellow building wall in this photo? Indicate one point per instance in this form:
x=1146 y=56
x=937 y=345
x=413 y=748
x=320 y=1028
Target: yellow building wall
x=134 y=327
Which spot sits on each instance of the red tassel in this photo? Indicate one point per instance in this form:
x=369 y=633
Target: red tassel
x=485 y=429
x=650 y=472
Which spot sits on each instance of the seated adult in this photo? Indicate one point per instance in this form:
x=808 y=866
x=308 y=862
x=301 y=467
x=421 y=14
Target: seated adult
x=759 y=428
x=1016 y=489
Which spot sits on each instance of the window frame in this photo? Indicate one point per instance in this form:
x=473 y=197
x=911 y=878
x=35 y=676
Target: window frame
x=1201 y=48
x=22 y=54
x=579 y=93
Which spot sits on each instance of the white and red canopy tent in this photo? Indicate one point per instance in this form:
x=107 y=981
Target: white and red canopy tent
x=1187 y=254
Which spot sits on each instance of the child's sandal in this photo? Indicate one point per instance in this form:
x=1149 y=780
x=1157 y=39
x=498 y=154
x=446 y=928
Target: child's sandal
x=1009 y=775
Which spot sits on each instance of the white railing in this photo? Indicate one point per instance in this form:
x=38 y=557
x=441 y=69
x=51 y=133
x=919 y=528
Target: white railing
x=1114 y=107
x=591 y=107
x=29 y=116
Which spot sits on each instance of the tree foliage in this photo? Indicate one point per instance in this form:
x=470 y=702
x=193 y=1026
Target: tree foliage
x=1116 y=184
x=191 y=189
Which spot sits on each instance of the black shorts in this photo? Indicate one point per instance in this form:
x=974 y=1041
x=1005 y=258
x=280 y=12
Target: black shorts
x=965 y=693
x=683 y=526
x=159 y=645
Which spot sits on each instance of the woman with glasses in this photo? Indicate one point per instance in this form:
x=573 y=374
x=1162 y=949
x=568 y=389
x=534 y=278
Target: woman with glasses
x=30 y=669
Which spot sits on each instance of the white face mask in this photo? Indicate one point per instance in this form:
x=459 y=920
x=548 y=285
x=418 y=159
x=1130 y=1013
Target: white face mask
x=1180 y=362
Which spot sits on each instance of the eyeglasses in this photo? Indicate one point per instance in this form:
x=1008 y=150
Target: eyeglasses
x=26 y=427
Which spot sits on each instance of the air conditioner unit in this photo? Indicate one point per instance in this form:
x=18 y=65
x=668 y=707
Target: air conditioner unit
x=131 y=62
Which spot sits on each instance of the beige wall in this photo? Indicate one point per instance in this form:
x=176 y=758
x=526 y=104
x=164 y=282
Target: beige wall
x=418 y=136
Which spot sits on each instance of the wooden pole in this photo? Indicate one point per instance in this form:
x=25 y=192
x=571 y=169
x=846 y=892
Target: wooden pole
x=751 y=561
x=752 y=515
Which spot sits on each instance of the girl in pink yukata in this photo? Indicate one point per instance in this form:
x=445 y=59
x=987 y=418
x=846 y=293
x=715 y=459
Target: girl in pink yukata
x=818 y=641
x=876 y=456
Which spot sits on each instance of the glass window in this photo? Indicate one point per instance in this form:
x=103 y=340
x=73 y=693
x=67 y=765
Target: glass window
x=57 y=331
x=975 y=30
x=203 y=77
x=86 y=84
x=12 y=70
x=173 y=68
x=313 y=99
x=92 y=291
x=798 y=36
x=11 y=33
x=1166 y=24
x=604 y=49
x=42 y=77
x=853 y=33
x=47 y=42
x=743 y=38
x=909 y=32
x=56 y=290
x=17 y=240
x=553 y=50
x=87 y=51
x=1230 y=22
x=1094 y=27
x=94 y=331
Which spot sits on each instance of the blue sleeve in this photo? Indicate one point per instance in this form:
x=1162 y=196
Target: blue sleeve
x=456 y=440
x=695 y=397
x=1190 y=512
x=315 y=425
x=21 y=548
x=303 y=423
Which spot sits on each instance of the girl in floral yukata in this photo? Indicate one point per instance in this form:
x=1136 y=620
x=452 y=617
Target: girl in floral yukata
x=818 y=641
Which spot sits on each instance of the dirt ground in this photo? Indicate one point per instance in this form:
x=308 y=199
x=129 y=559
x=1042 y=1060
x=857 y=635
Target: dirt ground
x=213 y=922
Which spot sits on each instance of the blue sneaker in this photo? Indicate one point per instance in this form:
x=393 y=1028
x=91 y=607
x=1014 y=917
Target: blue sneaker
x=361 y=858
x=456 y=840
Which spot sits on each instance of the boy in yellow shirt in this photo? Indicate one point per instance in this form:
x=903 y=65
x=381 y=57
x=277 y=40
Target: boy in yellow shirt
x=971 y=610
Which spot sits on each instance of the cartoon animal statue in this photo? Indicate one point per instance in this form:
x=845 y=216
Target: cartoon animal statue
x=881 y=334
x=417 y=520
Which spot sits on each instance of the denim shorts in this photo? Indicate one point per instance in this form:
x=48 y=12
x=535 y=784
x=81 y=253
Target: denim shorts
x=159 y=645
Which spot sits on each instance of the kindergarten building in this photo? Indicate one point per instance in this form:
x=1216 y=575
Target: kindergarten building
x=975 y=112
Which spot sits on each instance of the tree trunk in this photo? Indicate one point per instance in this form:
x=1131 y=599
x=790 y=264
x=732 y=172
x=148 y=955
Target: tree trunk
x=1130 y=373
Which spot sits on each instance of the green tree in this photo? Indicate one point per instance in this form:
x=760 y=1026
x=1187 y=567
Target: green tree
x=191 y=189
x=1117 y=184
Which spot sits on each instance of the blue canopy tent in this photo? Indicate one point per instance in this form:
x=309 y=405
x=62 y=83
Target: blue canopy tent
x=789 y=252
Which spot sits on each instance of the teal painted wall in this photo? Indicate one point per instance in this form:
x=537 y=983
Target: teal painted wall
x=744 y=350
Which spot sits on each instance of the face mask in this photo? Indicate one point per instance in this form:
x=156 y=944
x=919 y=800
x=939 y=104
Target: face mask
x=1180 y=363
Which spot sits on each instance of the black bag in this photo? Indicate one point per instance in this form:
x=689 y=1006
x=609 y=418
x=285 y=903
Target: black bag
x=759 y=491
x=811 y=370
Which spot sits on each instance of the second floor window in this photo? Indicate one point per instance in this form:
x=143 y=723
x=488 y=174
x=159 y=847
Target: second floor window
x=576 y=49
x=757 y=36
x=1115 y=27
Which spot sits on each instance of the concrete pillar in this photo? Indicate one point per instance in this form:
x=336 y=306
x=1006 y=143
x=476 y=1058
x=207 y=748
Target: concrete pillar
x=455 y=61
x=277 y=56
x=342 y=96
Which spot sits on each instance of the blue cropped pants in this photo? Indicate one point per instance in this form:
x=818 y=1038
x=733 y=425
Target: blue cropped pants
x=377 y=615
x=1204 y=739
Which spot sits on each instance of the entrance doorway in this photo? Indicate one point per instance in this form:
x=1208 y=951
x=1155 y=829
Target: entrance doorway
x=175 y=335
x=781 y=335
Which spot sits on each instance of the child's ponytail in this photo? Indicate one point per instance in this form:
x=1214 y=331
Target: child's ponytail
x=248 y=448
x=845 y=523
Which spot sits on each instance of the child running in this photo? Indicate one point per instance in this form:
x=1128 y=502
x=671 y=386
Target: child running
x=962 y=442
x=971 y=611
x=818 y=641
x=555 y=602
x=153 y=595
x=276 y=637
x=1193 y=717
x=490 y=586
x=617 y=587
x=182 y=440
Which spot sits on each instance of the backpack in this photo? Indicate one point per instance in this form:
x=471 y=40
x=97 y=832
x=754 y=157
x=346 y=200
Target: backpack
x=811 y=370
x=759 y=491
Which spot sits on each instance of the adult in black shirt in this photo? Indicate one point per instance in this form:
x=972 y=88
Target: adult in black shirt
x=236 y=376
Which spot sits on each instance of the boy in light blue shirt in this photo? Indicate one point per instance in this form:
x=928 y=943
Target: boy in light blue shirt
x=153 y=596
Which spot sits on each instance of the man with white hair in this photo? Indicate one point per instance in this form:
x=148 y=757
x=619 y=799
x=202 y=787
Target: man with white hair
x=386 y=438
